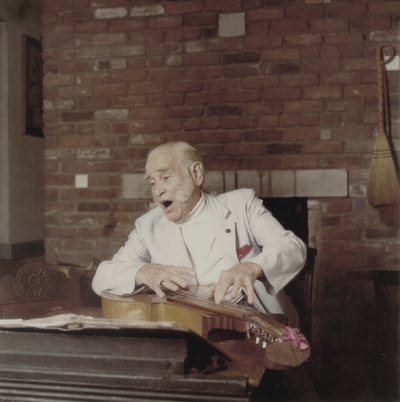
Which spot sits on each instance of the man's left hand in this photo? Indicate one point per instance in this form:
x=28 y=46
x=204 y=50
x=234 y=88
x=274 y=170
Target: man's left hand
x=242 y=275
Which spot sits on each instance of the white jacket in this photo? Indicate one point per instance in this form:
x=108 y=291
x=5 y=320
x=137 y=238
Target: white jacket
x=240 y=219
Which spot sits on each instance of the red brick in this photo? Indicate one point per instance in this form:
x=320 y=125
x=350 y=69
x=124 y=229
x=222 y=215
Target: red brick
x=323 y=147
x=51 y=80
x=60 y=129
x=149 y=113
x=317 y=66
x=300 y=162
x=207 y=72
x=211 y=123
x=128 y=76
x=244 y=149
x=249 y=122
x=268 y=121
x=322 y=92
x=303 y=40
x=305 y=12
x=310 y=53
x=163 y=48
x=352 y=51
x=289 y=120
x=341 y=78
x=283 y=68
x=76 y=15
x=93 y=103
x=345 y=10
x=263 y=41
x=225 y=44
x=223 y=110
x=343 y=38
x=127 y=51
x=281 y=94
x=57 y=4
x=165 y=22
x=147 y=87
x=298 y=134
x=77 y=116
x=128 y=101
x=242 y=96
x=309 y=120
x=304 y=106
x=240 y=70
x=266 y=14
x=93 y=78
x=197 y=59
x=261 y=135
x=110 y=39
x=223 y=5
x=383 y=7
x=192 y=125
x=263 y=108
x=371 y=22
x=345 y=104
x=200 y=19
x=361 y=90
x=58 y=55
x=229 y=122
x=203 y=98
x=60 y=29
x=332 y=247
x=280 y=54
x=88 y=27
x=146 y=37
x=222 y=84
x=163 y=74
x=329 y=25
x=50 y=116
x=194 y=6
x=183 y=34
x=110 y=90
x=304 y=80
x=186 y=111
x=260 y=82
x=184 y=86
x=125 y=25
x=258 y=28
x=332 y=51
x=288 y=26
x=165 y=100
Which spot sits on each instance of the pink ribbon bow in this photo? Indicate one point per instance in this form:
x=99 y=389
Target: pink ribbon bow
x=297 y=338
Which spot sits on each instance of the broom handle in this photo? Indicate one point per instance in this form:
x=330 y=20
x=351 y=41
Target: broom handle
x=380 y=63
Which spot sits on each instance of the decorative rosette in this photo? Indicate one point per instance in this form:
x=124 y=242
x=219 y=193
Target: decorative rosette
x=34 y=279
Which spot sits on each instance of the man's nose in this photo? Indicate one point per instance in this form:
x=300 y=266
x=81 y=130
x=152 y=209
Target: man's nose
x=158 y=189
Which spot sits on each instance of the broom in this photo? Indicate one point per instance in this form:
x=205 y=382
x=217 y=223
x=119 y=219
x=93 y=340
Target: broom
x=383 y=183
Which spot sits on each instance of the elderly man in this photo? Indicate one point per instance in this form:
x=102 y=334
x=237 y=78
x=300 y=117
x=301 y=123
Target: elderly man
x=229 y=244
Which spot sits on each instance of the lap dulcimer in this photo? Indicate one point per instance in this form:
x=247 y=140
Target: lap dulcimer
x=284 y=346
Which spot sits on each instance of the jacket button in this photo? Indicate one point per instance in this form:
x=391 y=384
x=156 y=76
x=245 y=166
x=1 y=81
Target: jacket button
x=228 y=231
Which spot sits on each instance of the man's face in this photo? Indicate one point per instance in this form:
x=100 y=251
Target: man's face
x=173 y=190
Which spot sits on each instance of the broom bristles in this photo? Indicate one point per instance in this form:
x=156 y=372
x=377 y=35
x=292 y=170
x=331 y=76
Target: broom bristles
x=383 y=184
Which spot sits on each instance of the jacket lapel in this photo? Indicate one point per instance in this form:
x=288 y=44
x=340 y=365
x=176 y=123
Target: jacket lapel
x=225 y=229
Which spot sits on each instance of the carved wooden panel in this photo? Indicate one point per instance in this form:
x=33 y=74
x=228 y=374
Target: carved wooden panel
x=37 y=288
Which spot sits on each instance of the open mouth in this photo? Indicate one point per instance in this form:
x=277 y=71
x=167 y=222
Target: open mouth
x=166 y=204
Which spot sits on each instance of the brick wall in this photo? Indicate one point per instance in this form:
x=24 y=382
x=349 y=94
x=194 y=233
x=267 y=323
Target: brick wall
x=256 y=85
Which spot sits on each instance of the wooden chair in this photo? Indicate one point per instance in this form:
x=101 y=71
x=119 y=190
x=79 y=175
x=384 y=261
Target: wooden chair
x=300 y=290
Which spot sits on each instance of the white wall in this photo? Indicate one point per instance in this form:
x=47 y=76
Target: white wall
x=21 y=156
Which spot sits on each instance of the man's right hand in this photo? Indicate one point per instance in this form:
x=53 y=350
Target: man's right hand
x=153 y=274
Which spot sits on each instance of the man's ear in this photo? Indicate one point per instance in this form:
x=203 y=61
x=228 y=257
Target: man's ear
x=197 y=173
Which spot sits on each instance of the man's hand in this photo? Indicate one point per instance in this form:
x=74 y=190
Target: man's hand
x=152 y=275
x=241 y=275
